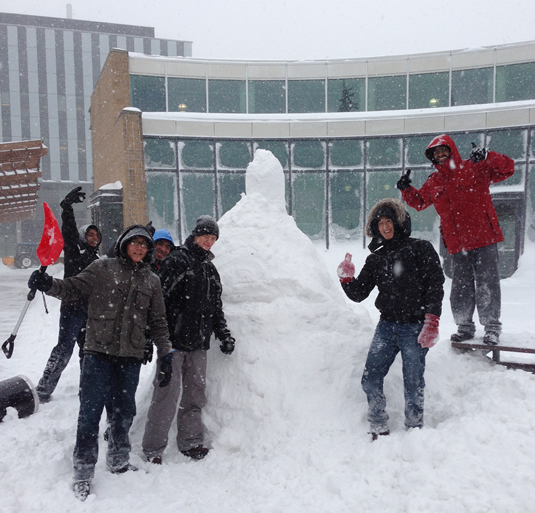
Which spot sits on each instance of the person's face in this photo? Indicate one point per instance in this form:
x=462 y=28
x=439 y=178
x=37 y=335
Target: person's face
x=137 y=249
x=386 y=227
x=441 y=154
x=162 y=248
x=92 y=237
x=205 y=241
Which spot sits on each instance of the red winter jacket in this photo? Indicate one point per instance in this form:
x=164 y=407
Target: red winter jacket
x=459 y=190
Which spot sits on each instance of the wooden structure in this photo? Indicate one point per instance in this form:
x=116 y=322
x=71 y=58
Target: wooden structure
x=19 y=172
x=496 y=350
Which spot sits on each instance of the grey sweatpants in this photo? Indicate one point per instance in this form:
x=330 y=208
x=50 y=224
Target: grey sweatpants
x=189 y=379
x=476 y=282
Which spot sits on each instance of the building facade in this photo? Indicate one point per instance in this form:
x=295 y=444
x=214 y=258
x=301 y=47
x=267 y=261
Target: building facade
x=48 y=70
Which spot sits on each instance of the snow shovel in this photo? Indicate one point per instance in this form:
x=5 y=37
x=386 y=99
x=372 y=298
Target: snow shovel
x=48 y=252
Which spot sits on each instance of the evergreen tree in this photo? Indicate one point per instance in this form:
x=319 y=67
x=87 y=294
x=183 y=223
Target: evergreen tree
x=346 y=103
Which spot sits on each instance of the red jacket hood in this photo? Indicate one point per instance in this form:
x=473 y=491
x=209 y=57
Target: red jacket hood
x=454 y=162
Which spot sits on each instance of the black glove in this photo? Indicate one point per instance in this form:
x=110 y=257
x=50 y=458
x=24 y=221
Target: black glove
x=40 y=281
x=227 y=345
x=75 y=196
x=404 y=182
x=166 y=370
x=147 y=352
x=478 y=154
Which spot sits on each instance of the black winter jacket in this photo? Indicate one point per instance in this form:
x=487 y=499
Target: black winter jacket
x=192 y=293
x=77 y=254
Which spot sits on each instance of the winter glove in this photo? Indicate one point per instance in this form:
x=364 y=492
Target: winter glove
x=40 y=281
x=429 y=335
x=147 y=352
x=478 y=154
x=404 y=182
x=75 y=196
x=227 y=345
x=346 y=270
x=166 y=369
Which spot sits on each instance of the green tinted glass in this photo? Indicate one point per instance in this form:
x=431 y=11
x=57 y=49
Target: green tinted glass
x=159 y=153
x=387 y=93
x=161 y=197
x=147 y=93
x=188 y=93
x=471 y=86
x=226 y=96
x=428 y=90
x=309 y=154
x=309 y=202
x=509 y=142
x=231 y=187
x=384 y=152
x=197 y=197
x=346 y=153
x=278 y=148
x=346 y=202
x=379 y=185
x=198 y=154
x=515 y=82
x=346 y=95
x=267 y=96
x=415 y=150
x=306 y=96
x=235 y=154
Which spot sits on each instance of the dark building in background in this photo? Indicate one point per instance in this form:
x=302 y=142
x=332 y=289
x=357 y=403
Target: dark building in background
x=48 y=70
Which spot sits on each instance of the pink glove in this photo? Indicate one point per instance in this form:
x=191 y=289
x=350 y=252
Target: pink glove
x=429 y=335
x=346 y=270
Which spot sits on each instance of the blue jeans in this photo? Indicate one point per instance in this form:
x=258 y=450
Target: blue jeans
x=102 y=375
x=389 y=339
x=71 y=330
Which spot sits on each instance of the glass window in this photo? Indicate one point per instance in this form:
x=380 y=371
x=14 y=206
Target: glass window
x=531 y=201
x=161 y=197
x=509 y=142
x=515 y=82
x=278 y=148
x=267 y=96
x=423 y=222
x=235 y=154
x=189 y=93
x=464 y=142
x=471 y=86
x=306 y=96
x=309 y=203
x=415 y=150
x=387 y=93
x=428 y=90
x=159 y=153
x=197 y=154
x=384 y=152
x=346 y=94
x=346 y=153
x=379 y=185
x=197 y=198
x=147 y=93
x=226 y=96
x=517 y=178
x=231 y=187
x=346 y=204
x=309 y=154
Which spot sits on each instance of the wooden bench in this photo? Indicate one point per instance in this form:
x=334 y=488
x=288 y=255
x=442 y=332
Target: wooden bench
x=496 y=350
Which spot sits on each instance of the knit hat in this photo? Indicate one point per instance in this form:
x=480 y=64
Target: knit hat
x=163 y=235
x=205 y=225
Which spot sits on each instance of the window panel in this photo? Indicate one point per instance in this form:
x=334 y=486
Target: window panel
x=428 y=90
x=306 y=96
x=197 y=154
x=309 y=154
x=471 y=86
x=267 y=96
x=189 y=93
x=346 y=204
x=387 y=93
x=346 y=95
x=415 y=150
x=147 y=93
x=231 y=187
x=278 y=148
x=161 y=198
x=309 y=202
x=515 y=82
x=159 y=153
x=346 y=153
x=379 y=185
x=197 y=198
x=226 y=96
x=234 y=154
x=384 y=152
x=509 y=142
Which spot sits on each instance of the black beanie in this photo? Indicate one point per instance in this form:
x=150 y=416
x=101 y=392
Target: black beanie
x=206 y=225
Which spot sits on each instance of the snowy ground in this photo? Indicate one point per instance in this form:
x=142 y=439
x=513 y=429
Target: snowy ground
x=286 y=416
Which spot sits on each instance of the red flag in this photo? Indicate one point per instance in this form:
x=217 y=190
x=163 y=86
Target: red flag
x=51 y=243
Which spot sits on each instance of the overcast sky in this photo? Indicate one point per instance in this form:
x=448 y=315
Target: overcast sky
x=309 y=29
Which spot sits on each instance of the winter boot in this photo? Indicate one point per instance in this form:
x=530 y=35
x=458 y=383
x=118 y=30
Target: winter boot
x=375 y=436
x=196 y=453
x=491 y=338
x=461 y=336
x=81 y=489
x=157 y=460
x=126 y=468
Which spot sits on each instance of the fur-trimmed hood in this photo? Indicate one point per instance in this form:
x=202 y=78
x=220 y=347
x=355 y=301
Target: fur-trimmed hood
x=390 y=207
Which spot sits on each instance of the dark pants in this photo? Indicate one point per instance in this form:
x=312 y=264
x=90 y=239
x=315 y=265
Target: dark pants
x=476 y=282
x=389 y=339
x=100 y=374
x=71 y=331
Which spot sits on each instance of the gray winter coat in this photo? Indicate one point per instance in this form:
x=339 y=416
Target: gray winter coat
x=123 y=301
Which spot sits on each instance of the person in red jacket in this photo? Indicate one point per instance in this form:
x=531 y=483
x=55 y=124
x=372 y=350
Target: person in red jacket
x=459 y=190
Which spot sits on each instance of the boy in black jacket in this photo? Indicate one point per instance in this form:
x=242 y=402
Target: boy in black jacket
x=410 y=280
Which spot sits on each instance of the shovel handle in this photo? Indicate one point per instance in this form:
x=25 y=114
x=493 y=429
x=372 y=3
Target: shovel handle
x=8 y=346
x=32 y=292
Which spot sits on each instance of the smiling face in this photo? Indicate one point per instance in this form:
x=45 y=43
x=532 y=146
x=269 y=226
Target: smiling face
x=137 y=249
x=162 y=248
x=386 y=227
x=441 y=154
x=92 y=237
x=205 y=241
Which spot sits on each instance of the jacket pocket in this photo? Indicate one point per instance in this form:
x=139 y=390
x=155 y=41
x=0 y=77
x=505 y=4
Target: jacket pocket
x=100 y=327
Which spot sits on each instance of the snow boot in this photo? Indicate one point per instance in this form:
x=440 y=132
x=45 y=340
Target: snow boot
x=491 y=338
x=157 y=460
x=375 y=436
x=81 y=489
x=126 y=468
x=461 y=336
x=196 y=453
